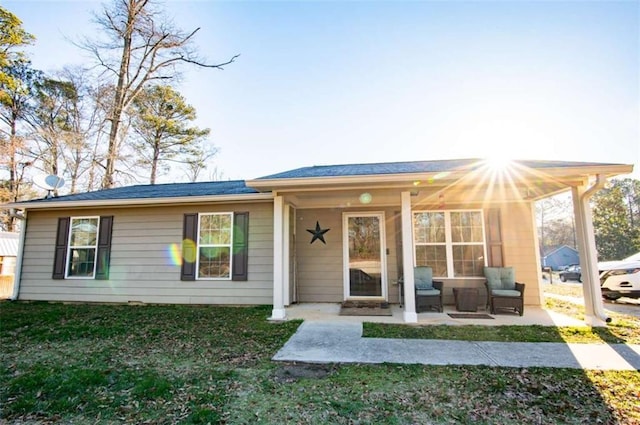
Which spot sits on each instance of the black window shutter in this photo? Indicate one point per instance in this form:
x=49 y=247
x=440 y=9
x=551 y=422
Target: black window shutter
x=240 y=246
x=189 y=238
x=494 y=237
x=60 y=257
x=104 y=248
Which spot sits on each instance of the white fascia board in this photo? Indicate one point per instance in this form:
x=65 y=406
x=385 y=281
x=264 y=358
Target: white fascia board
x=335 y=181
x=140 y=201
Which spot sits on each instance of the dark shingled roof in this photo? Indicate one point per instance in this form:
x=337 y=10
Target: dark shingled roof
x=239 y=187
x=171 y=190
x=409 y=167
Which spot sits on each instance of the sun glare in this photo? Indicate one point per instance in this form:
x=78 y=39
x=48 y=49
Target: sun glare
x=498 y=163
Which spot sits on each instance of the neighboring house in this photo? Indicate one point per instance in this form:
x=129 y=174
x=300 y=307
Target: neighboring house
x=8 y=255
x=314 y=234
x=558 y=257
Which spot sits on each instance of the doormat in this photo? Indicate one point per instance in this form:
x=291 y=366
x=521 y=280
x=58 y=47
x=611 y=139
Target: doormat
x=470 y=316
x=359 y=308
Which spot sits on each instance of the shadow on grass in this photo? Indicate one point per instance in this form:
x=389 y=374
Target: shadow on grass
x=612 y=390
x=189 y=364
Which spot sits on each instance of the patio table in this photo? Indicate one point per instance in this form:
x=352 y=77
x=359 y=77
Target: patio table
x=466 y=299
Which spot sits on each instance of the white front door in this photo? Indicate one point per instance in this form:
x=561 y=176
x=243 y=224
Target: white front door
x=365 y=266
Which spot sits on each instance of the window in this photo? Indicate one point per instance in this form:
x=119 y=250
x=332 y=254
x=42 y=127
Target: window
x=451 y=242
x=83 y=248
x=214 y=245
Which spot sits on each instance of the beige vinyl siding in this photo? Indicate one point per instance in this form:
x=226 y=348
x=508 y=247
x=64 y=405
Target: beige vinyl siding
x=319 y=266
x=519 y=247
x=142 y=268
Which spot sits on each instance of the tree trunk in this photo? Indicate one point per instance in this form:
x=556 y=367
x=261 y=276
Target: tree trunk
x=119 y=98
x=154 y=162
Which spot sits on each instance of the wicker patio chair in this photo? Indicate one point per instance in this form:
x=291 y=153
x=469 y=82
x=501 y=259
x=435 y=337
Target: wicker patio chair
x=428 y=291
x=503 y=292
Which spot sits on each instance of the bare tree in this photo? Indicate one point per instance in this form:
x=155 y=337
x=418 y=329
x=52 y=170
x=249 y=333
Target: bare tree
x=198 y=163
x=139 y=45
x=66 y=117
x=555 y=222
x=15 y=156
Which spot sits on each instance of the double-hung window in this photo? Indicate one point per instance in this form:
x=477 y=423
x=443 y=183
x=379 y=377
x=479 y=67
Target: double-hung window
x=215 y=246
x=83 y=247
x=451 y=242
x=215 y=239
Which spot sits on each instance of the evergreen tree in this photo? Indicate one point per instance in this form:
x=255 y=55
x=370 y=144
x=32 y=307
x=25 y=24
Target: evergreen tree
x=615 y=220
x=162 y=121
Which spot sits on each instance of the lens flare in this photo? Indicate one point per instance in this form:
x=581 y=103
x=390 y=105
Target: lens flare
x=175 y=254
x=186 y=251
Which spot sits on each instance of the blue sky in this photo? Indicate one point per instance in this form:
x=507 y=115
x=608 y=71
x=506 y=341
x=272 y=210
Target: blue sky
x=330 y=82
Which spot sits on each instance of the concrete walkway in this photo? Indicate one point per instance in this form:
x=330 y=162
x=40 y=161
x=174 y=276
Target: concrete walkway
x=338 y=341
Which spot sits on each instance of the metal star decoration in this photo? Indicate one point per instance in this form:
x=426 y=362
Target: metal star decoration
x=318 y=233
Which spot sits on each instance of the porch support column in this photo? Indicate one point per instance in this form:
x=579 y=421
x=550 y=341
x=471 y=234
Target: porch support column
x=286 y=254
x=278 y=312
x=594 y=309
x=409 y=315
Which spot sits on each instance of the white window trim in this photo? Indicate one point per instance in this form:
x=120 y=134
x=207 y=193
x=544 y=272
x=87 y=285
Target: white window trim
x=449 y=244
x=95 y=248
x=230 y=245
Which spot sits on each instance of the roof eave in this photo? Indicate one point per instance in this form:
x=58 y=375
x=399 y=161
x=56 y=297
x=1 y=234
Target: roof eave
x=141 y=201
x=446 y=177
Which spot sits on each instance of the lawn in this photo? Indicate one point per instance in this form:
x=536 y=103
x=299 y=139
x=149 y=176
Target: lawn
x=187 y=364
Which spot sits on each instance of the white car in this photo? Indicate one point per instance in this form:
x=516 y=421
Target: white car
x=620 y=278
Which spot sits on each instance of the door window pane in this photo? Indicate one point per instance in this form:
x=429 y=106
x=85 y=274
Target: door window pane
x=365 y=263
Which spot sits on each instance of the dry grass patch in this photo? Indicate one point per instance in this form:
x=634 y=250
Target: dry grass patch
x=91 y=364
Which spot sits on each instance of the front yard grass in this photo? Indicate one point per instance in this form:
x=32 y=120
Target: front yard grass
x=104 y=364
x=622 y=329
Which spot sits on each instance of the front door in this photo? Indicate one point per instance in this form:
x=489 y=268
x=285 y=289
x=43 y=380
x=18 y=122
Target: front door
x=364 y=260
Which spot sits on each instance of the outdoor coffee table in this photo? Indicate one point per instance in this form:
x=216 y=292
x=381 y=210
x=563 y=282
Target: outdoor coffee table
x=466 y=299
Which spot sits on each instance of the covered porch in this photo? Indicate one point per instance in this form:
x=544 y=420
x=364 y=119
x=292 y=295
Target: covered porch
x=455 y=216
x=330 y=312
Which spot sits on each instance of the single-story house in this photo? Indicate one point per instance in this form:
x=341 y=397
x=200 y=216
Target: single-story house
x=313 y=234
x=560 y=256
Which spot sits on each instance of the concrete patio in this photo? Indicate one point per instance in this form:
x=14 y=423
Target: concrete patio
x=327 y=312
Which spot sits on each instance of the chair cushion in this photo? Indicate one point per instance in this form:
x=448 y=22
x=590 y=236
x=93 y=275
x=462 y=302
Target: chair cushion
x=493 y=277
x=505 y=293
x=508 y=278
x=500 y=277
x=428 y=292
x=423 y=277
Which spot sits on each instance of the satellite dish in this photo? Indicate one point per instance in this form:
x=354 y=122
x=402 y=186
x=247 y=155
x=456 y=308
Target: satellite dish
x=54 y=181
x=48 y=183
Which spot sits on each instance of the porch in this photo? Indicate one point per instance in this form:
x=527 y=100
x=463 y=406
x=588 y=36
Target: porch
x=330 y=312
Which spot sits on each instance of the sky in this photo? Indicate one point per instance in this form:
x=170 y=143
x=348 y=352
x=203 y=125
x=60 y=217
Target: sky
x=336 y=82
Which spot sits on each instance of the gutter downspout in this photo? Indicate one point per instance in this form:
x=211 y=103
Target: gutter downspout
x=18 y=273
x=588 y=254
